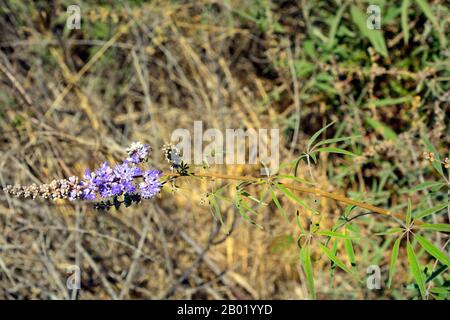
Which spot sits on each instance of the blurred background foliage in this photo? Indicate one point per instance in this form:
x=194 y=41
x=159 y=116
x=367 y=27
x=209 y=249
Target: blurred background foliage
x=137 y=70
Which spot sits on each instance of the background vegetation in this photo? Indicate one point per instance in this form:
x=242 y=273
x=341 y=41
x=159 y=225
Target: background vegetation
x=137 y=70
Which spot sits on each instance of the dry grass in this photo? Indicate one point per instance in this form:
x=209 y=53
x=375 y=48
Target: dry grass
x=135 y=73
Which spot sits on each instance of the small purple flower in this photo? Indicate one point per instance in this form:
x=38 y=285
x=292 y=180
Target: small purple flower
x=151 y=185
x=138 y=152
x=125 y=172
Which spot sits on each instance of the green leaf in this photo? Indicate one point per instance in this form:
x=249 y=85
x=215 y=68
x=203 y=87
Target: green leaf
x=334 y=234
x=277 y=203
x=317 y=134
x=334 y=140
x=426 y=185
x=391 y=101
x=415 y=270
x=215 y=209
x=375 y=36
x=288 y=193
x=408 y=213
x=335 y=259
x=284 y=176
x=394 y=256
x=435 y=227
x=431 y=249
x=305 y=256
x=335 y=150
x=429 y=211
x=382 y=129
x=404 y=20
x=389 y=231
x=334 y=26
x=350 y=252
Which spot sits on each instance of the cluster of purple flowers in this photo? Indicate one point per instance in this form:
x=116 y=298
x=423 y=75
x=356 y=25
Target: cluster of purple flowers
x=108 y=182
x=125 y=179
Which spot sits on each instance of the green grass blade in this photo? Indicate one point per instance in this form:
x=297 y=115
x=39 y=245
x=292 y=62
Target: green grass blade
x=382 y=129
x=404 y=20
x=375 y=36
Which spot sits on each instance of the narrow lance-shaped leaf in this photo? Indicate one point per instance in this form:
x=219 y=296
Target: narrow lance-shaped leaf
x=431 y=249
x=307 y=268
x=335 y=150
x=316 y=135
x=415 y=270
x=277 y=203
x=288 y=193
x=408 y=213
x=350 y=252
x=429 y=211
x=335 y=259
x=443 y=227
x=404 y=20
x=394 y=256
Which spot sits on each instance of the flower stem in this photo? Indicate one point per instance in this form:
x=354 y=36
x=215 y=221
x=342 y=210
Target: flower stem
x=310 y=190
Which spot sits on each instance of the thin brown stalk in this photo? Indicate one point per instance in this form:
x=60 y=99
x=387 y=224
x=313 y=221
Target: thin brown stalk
x=310 y=190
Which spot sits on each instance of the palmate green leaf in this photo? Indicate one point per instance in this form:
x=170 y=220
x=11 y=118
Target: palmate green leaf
x=317 y=134
x=393 y=261
x=431 y=249
x=375 y=36
x=335 y=150
x=288 y=193
x=335 y=259
x=335 y=234
x=415 y=270
x=435 y=227
x=431 y=210
x=305 y=256
x=404 y=20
